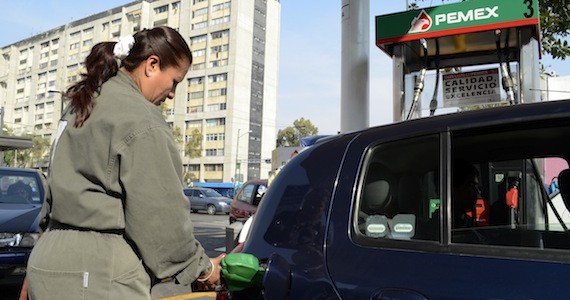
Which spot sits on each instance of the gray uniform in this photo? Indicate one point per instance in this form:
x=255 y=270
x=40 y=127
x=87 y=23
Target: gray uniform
x=116 y=185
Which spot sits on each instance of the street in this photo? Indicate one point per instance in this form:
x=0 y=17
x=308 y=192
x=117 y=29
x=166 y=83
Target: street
x=209 y=230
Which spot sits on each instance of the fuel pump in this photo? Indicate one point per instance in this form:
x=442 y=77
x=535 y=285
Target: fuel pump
x=479 y=40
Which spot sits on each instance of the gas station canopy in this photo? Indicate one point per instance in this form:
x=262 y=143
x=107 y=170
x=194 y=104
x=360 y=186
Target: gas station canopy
x=14 y=142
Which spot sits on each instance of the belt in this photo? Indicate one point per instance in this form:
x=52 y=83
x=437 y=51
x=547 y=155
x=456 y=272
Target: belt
x=56 y=225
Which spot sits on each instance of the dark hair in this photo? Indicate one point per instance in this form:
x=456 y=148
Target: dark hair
x=463 y=170
x=101 y=64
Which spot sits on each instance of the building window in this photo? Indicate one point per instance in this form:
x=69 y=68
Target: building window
x=215 y=137
x=198 y=39
x=214 y=152
x=88 y=42
x=44 y=45
x=198 y=66
x=74 y=34
x=195 y=109
x=218 y=77
x=221 y=6
x=160 y=22
x=195 y=80
x=216 y=107
x=219 y=62
x=217 y=92
x=198 y=53
x=221 y=20
x=175 y=5
x=196 y=95
x=197 y=1
x=194 y=124
x=194 y=168
x=200 y=12
x=88 y=30
x=220 y=34
x=74 y=46
x=161 y=9
x=200 y=25
x=214 y=167
x=220 y=48
x=215 y=122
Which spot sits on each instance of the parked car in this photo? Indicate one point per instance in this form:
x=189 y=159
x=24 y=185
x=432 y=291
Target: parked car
x=352 y=217
x=207 y=199
x=22 y=193
x=247 y=199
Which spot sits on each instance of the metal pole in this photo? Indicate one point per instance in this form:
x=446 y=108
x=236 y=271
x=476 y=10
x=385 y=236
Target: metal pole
x=237 y=163
x=237 y=151
x=354 y=86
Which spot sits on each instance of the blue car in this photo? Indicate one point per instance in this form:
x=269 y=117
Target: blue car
x=22 y=193
x=445 y=207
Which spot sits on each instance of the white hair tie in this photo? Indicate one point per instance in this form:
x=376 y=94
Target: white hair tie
x=123 y=46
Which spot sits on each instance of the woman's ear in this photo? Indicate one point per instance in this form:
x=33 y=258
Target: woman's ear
x=152 y=65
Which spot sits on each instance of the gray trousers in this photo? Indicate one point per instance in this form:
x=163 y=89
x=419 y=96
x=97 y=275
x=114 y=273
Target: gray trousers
x=71 y=264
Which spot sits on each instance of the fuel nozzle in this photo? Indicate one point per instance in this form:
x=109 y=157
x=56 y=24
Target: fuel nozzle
x=420 y=79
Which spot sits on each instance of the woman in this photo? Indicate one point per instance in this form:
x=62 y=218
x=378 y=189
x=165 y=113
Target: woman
x=117 y=219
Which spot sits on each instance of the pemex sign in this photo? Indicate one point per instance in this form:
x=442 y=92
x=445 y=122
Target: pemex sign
x=457 y=18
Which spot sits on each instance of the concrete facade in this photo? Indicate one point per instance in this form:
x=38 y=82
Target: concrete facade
x=231 y=87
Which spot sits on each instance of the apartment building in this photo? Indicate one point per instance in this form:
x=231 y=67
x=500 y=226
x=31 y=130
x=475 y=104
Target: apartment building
x=229 y=97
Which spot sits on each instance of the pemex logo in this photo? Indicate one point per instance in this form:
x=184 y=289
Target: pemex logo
x=421 y=23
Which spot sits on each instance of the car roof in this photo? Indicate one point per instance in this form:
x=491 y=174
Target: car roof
x=256 y=181
x=486 y=117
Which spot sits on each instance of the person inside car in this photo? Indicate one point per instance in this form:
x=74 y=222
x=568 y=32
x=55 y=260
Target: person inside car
x=20 y=192
x=464 y=193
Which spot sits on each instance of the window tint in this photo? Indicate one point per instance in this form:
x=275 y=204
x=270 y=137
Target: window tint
x=260 y=191
x=519 y=190
x=21 y=188
x=399 y=191
x=246 y=193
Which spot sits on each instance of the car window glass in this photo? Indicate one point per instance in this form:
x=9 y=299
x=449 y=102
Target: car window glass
x=517 y=200
x=211 y=193
x=399 y=191
x=195 y=193
x=260 y=191
x=246 y=193
x=19 y=188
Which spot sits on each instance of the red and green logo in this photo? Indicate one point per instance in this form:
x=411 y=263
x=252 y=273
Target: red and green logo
x=421 y=23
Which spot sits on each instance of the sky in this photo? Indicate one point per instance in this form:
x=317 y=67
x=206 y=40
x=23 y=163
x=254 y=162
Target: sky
x=310 y=50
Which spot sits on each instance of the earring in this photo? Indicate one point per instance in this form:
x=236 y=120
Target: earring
x=148 y=74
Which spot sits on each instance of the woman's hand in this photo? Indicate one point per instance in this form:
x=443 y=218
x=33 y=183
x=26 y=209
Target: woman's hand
x=212 y=280
x=216 y=271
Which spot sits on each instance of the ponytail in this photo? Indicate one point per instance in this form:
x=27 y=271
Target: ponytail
x=101 y=65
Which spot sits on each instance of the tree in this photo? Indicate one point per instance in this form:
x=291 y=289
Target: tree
x=177 y=134
x=554 y=26
x=194 y=146
x=291 y=135
x=31 y=157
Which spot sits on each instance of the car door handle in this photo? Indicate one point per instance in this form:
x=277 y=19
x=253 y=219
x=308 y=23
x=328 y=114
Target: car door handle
x=400 y=294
